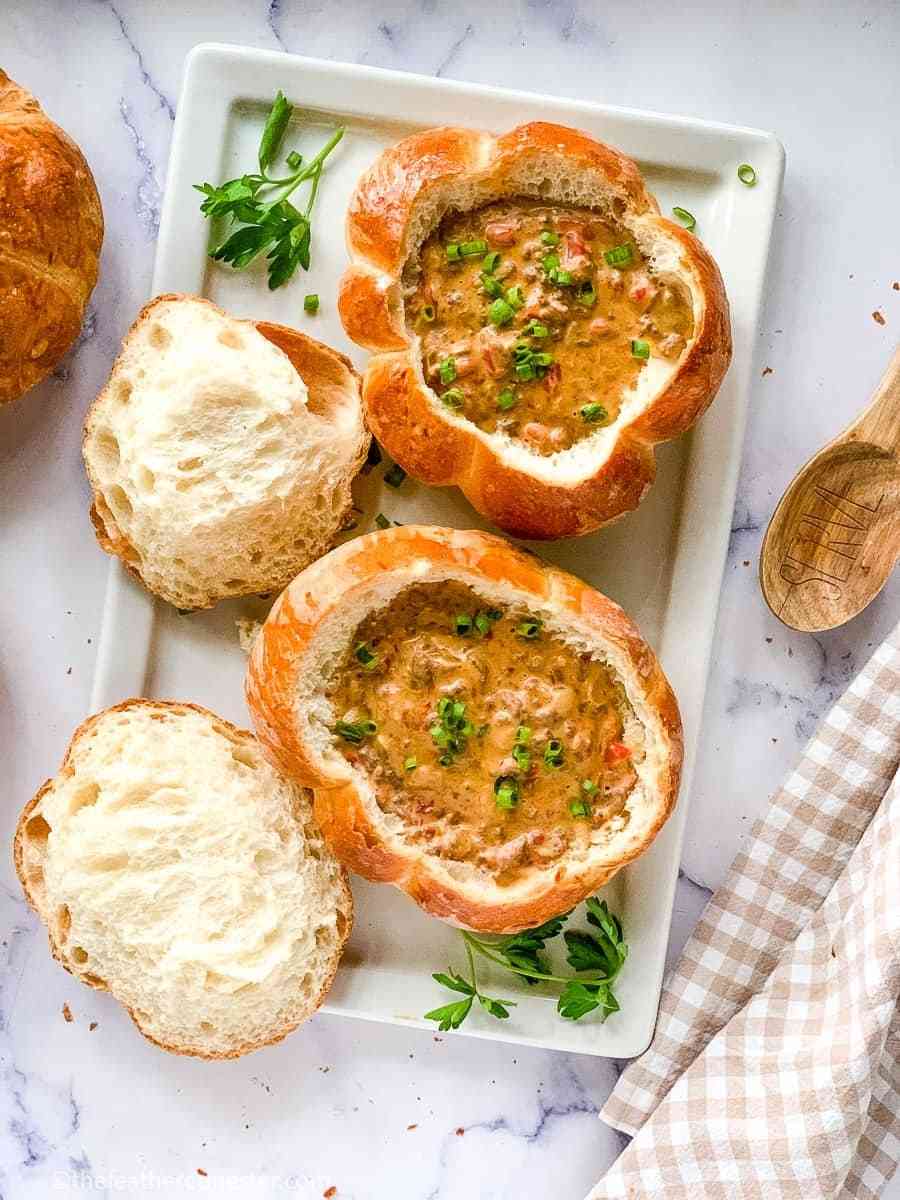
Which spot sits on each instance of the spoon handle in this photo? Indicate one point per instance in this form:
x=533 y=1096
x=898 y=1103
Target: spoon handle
x=880 y=423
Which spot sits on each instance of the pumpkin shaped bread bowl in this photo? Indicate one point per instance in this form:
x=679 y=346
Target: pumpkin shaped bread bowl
x=482 y=730
x=51 y=231
x=537 y=326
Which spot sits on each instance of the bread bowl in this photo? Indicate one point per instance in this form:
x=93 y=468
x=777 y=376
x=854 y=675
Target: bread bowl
x=560 y=767
x=221 y=452
x=176 y=869
x=536 y=325
x=51 y=231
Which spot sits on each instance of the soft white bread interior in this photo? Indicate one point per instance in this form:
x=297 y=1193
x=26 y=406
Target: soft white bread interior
x=220 y=456
x=176 y=868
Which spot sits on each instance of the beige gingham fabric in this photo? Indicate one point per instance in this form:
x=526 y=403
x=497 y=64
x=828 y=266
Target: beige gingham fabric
x=775 y=1068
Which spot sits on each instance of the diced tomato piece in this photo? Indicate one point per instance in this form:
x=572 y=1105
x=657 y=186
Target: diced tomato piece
x=616 y=751
x=501 y=233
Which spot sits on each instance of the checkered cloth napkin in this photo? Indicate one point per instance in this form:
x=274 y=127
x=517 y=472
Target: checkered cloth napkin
x=775 y=1068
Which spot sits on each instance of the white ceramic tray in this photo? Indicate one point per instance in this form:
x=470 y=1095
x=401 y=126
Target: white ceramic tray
x=663 y=563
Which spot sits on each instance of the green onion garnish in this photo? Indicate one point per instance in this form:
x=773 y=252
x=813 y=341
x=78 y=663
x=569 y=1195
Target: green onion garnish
x=311 y=303
x=562 y=278
x=640 y=349
x=453 y=397
x=428 y=313
x=530 y=629
x=550 y=262
x=507 y=400
x=579 y=807
x=453 y=252
x=549 y=238
x=536 y=330
x=491 y=285
x=506 y=791
x=410 y=764
x=746 y=174
x=489 y=262
x=469 y=249
x=366 y=655
x=542 y=360
x=522 y=757
x=451 y=730
x=588 y=786
x=592 y=413
x=293 y=160
x=482 y=623
x=394 y=476
x=381 y=521
x=447 y=370
x=619 y=256
x=355 y=731
x=553 y=754
x=515 y=296
x=586 y=295
x=463 y=624
x=525 y=371
x=687 y=219
x=500 y=312
x=523 y=735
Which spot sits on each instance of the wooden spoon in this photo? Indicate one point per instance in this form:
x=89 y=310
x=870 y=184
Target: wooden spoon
x=835 y=536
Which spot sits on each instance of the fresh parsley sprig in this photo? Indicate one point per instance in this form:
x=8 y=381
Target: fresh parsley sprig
x=597 y=957
x=260 y=204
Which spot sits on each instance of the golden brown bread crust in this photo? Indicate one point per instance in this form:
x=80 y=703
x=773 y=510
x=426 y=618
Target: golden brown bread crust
x=326 y=372
x=277 y=674
x=51 y=231
x=56 y=950
x=401 y=409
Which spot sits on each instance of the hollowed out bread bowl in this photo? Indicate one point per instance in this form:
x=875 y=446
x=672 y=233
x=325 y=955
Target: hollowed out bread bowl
x=221 y=452
x=537 y=326
x=482 y=730
x=175 y=868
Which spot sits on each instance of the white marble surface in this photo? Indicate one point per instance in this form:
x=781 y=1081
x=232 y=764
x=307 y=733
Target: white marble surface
x=375 y=1111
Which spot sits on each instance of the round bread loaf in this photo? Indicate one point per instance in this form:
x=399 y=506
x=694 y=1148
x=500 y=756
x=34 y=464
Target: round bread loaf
x=176 y=869
x=482 y=730
x=51 y=231
x=221 y=452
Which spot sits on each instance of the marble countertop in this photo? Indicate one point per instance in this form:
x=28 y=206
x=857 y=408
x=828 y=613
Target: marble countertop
x=376 y=1111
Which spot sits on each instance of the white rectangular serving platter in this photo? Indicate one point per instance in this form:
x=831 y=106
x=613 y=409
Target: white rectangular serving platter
x=663 y=563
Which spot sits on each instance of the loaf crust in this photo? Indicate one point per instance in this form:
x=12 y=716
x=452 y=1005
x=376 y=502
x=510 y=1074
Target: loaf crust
x=29 y=855
x=397 y=203
x=51 y=231
x=310 y=626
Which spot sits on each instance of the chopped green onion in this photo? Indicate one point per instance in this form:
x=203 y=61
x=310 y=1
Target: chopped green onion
x=366 y=655
x=293 y=160
x=428 y=313
x=451 y=730
x=553 y=754
x=506 y=791
x=746 y=174
x=619 y=256
x=454 y=254
x=522 y=757
x=592 y=413
x=355 y=731
x=483 y=623
x=536 y=330
x=579 y=807
x=549 y=238
x=500 y=312
x=463 y=624
x=586 y=295
x=453 y=397
x=550 y=262
x=525 y=371
x=507 y=400
x=530 y=629
x=491 y=285
x=447 y=370
x=311 y=303
x=469 y=249
x=489 y=262
x=542 y=360
x=640 y=349
x=394 y=476
x=523 y=735
x=562 y=278
x=687 y=219
x=515 y=296
x=381 y=521
x=588 y=786
x=410 y=764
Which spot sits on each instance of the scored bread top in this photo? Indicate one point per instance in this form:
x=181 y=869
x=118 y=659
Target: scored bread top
x=175 y=868
x=221 y=452
x=291 y=675
x=399 y=202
